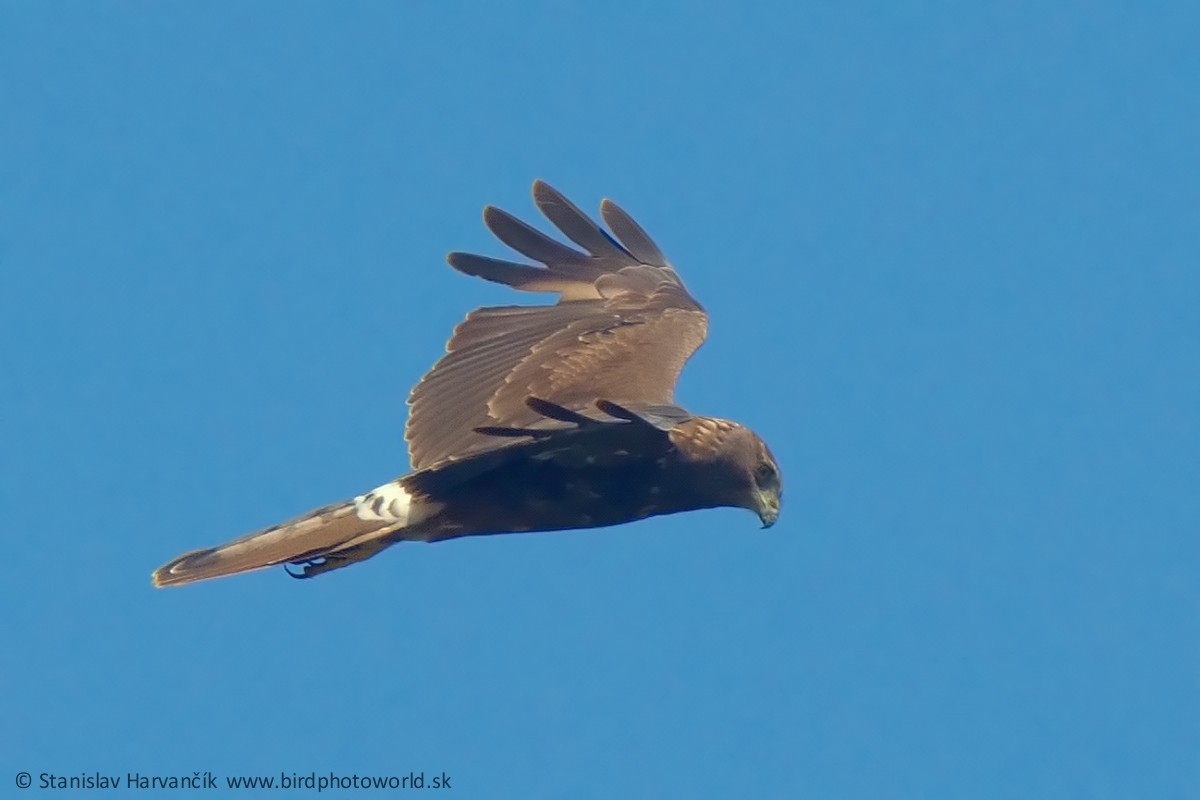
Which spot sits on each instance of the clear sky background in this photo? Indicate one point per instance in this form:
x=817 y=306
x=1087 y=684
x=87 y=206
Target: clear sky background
x=951 y=257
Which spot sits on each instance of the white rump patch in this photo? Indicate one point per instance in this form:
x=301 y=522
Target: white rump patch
x=389 y=503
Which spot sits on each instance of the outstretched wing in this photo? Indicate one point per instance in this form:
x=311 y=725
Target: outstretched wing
x=622 y=329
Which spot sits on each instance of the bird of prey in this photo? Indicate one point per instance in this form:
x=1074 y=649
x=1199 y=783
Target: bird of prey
x=540 y=418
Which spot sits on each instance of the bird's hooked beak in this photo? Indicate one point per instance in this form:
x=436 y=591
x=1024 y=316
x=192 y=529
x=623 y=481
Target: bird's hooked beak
x=766 y=506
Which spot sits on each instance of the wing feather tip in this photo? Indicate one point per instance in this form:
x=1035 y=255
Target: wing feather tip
x=491 y=212
x=544 y=192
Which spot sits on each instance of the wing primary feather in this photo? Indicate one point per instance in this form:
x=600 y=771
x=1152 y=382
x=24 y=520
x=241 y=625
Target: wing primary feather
x=495 y=269
x=529 y=241
x=631 y=235
x=536 y=433
x=576 y=225
x=618 y=411
x=555 y=411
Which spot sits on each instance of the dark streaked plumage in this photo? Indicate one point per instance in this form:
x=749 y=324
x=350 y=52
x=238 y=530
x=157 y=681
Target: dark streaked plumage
x=540 y=418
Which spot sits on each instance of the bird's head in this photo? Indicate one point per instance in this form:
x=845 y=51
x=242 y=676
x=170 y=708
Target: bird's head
x=738 y=466
x=766 y=481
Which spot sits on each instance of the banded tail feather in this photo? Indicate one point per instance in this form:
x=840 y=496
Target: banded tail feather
x=324 y=539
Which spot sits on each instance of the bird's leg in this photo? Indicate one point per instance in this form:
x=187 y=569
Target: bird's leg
x=313 y=567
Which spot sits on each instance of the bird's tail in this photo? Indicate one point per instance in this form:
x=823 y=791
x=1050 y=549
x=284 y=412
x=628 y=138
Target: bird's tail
x=321 y=540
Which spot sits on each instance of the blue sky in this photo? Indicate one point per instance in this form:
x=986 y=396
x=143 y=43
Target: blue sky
x=950 y=256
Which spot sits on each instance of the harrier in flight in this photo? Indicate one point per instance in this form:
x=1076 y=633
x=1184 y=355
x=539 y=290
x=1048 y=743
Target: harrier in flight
x=540 y=418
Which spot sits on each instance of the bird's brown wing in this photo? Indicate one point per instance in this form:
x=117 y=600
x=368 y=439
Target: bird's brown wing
x=622 y=329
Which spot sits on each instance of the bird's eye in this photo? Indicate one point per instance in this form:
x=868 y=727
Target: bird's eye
x=764 y=473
